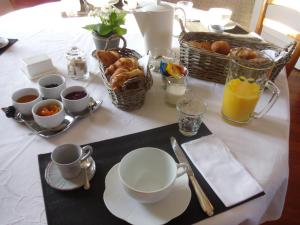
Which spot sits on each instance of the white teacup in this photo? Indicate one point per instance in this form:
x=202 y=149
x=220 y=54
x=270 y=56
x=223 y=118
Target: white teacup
x=148 y=174
x=78 y=105
x=51 y=86
x=68 y=158
x=25 y=108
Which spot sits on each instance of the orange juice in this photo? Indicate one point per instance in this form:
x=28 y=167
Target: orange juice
x=240 y=98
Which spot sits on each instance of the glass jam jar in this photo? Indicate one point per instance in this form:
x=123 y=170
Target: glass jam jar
x=77 y=65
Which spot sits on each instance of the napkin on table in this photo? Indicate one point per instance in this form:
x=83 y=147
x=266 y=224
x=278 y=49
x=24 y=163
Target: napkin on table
x=226 y=176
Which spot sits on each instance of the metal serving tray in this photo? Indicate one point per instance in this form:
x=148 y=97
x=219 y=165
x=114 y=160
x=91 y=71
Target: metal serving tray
x=65 y=125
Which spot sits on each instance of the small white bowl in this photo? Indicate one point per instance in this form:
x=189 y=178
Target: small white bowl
x=52 y=92
x=52 y=120
x=148 y=174
x=26 y=107
x=78 y=105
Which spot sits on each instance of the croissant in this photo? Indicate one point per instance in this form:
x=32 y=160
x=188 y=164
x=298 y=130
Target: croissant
x=107 y=57
x=129 y=63
x=117 y=80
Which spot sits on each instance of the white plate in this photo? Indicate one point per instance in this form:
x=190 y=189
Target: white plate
x=56 y=181
x=120 y=204
x=3 y=42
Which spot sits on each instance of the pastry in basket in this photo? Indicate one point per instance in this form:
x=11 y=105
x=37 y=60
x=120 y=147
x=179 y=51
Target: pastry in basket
x=251 y=55
x=118 y=79
x=221 y=47
x=201 y=44
x=107 y=57
x=244 y=53
x=128 y=63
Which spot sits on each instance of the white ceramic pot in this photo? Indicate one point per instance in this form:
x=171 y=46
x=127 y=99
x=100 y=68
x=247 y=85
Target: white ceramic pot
x=52 y=120
x=52 y=92
x=26 y=107
x=78 y=105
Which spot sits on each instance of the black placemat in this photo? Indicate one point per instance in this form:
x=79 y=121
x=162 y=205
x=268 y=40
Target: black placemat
x=80 y=207
x=11 y=42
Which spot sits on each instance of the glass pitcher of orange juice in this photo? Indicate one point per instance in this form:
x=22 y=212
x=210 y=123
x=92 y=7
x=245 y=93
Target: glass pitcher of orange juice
x=246 y=81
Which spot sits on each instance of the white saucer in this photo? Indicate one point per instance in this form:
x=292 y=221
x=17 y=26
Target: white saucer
x=120 y=204
x=3 y=42
x=56 y=181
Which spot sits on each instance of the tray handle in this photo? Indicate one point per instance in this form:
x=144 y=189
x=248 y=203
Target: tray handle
x=115 y=36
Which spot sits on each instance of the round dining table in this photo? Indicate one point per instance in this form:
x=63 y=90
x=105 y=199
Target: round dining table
x=261 y=146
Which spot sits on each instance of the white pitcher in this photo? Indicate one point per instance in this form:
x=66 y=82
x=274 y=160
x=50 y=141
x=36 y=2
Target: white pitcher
x=156 y=25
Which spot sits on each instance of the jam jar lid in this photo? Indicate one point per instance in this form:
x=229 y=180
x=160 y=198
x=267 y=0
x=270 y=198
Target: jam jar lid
x=74 y=52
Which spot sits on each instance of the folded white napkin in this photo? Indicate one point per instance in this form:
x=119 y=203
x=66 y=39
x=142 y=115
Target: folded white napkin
x=225 y=175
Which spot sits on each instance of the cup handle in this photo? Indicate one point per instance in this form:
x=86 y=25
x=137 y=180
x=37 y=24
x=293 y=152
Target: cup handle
x=124 y=2
x=87 y=151
x=182 y=168
x=275 y=94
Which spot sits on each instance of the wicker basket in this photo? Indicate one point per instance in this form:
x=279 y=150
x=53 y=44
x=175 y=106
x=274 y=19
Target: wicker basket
x=211 y=66
x=132 y=94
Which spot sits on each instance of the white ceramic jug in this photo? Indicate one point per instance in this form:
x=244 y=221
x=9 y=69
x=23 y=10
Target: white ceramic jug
x=156 y=25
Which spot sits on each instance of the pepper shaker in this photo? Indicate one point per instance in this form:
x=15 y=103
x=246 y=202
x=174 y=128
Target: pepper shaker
x=77 y=65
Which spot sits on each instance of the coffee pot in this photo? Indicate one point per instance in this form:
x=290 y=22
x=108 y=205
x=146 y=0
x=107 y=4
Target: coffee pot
x=156 y=25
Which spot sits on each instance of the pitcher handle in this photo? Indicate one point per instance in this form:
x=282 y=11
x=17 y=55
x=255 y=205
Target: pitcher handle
x=184 y=15
x=275 y=94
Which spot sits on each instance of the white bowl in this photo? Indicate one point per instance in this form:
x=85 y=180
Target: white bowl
x=148 y=174
x=48 y=121
x=52 y=92
x=78 y=105
x=25 y=108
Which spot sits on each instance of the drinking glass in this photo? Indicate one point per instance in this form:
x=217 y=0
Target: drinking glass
x=190 y=111
x=245 y=83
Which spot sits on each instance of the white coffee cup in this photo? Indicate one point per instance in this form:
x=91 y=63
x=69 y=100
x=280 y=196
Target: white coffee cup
x=68 y=157
x=26 y=107
x=148 y=174
x=78 y=105
x=52 y=92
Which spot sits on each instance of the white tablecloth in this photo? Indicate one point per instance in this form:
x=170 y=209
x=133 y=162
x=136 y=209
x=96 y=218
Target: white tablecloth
x=261 y=146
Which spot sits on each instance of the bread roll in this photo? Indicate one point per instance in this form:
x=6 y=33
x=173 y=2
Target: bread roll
x=118 y=79
x=107 y=57
x=244 y=53
x=221 y=47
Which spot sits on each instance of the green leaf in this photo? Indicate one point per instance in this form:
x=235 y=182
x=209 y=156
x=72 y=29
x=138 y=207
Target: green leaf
x=105 y=29
x=90 y=27
x=110 y=22
x=120 y=30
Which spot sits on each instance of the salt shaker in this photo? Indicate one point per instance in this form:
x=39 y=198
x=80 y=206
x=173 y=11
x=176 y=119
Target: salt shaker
x=77 y=65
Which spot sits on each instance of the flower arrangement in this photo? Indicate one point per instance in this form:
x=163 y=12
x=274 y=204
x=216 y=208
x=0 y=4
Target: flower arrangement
x=111 y=21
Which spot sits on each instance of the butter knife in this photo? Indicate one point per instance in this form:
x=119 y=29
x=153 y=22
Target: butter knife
x=202 y=198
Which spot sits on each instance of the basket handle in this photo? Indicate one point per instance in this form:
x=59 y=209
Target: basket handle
x=182 y=26
x=115 y=36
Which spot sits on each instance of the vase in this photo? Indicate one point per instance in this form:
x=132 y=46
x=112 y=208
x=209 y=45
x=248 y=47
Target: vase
x=100 y=42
